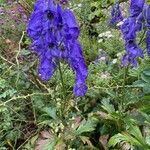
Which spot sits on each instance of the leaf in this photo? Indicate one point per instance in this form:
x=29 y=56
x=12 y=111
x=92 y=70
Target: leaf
x=147 y=117
x=124 y=137
x=139 y=83
x=114 y=140
x=45 y=141
x=146 y=98
x=60 y=145
x=146 y=132
x=9 y=92
x=146 y=72
x=107 y=106
x=145 y=78
x=50 y=145
x=148 y=2
x=146 y=88
x=86 y=126
x=3 y=84
x=50 y=111
x=133 y=136
x=135 y=131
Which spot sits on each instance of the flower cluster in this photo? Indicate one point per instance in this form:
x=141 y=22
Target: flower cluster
x=116 y=15
x=54 y=33
x=139 y=15
x=104 y=35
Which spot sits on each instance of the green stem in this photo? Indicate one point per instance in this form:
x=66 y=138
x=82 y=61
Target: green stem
x=124 y=88
x=63 y=92
x=61 y=79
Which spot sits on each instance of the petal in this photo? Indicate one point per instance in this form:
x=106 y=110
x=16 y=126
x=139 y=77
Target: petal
x=140 y=22
x=77 y=63
x=133 y=51
x=136 y=7
x=148 y=42
x=128 y=29
x=116 y=14
x=35 y=25
x=148 y=17
x=71 y=25
x=125 y=60
x=47 y=68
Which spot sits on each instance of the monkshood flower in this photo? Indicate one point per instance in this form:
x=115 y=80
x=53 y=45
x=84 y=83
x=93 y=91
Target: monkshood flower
x=140 y=23
x=54 y=33
x=116 y=15
x=143 y=21
x=136 y=7
x=148 y=42
x=129 y=30
x=148 y=30
x=77 y=63
x=133 y=51
x=136 y=17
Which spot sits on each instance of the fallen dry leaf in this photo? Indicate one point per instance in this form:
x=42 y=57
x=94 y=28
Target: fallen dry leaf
x=43 y=139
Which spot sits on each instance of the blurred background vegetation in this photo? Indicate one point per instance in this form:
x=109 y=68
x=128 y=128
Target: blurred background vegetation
x=114 y=114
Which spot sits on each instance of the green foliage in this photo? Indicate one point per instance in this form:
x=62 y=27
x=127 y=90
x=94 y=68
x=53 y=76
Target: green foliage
x=86 y=126
x=133 y=136
x=144 y=81
x=115 y=112
x=148 y=1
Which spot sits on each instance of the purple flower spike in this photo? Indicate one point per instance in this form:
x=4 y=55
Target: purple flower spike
x=72 y=30
x=148 y=42
x=140 y=22
x=148 y=17
x=116 y=15
x=148 y=32
x=54 y=34
x=47 y=68
x=78 y=65
x=131 y=26
x=136 y=7
x=128 y=29
x=133 y=51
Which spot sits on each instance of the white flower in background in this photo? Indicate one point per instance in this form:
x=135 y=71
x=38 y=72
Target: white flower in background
x=108 y=32
x=100 y=50
x=103 y=58
x=114 y=61
x=100 y=40
x=119 y=55
x=120 y=23
x=103 y=35
x=79 y=5
x=75 y=6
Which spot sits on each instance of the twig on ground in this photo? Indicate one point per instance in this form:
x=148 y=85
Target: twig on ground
x=24 y=97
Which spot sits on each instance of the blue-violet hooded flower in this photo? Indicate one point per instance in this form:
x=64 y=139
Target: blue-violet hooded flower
x=54 y=33
x=116 y=15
